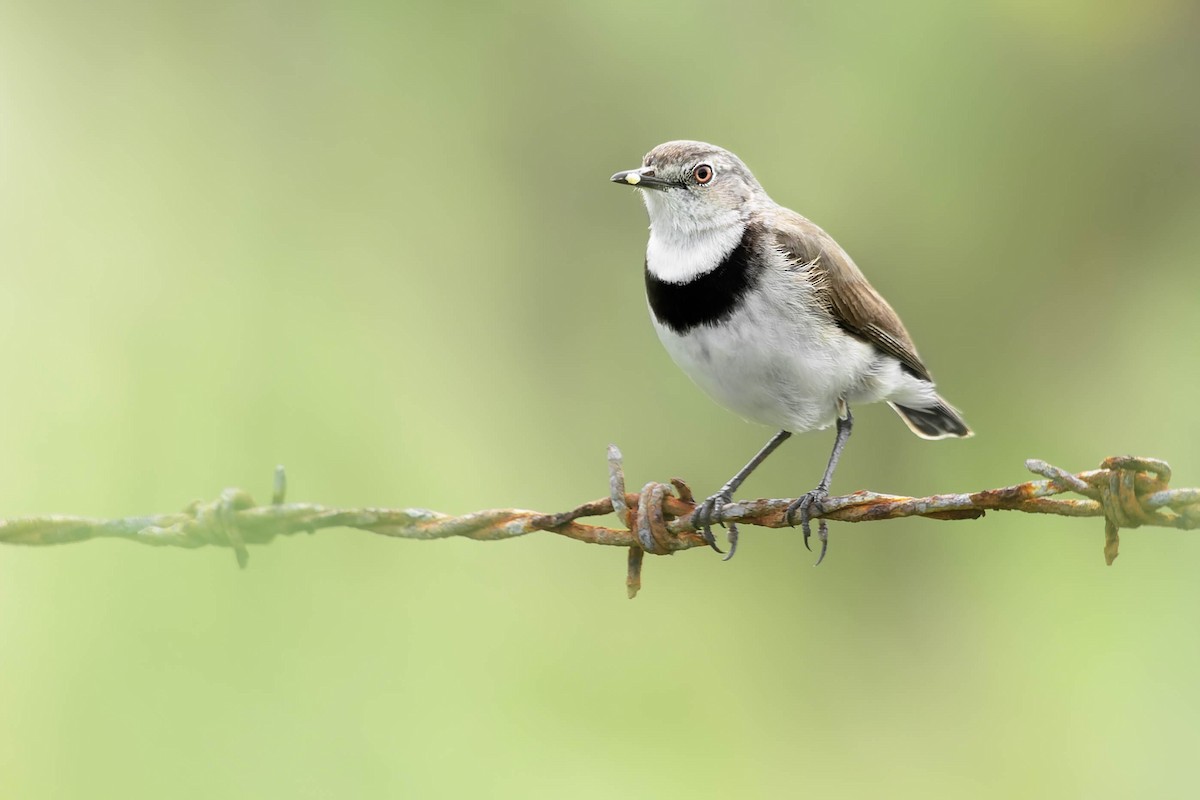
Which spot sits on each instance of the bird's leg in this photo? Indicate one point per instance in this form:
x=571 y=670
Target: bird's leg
x=814 y=498
x=709 y=511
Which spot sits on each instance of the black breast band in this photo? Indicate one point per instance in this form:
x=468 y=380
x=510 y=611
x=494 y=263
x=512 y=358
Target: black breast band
x=706 y=299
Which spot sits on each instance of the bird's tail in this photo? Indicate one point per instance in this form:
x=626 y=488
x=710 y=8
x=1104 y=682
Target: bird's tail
x=940 y=421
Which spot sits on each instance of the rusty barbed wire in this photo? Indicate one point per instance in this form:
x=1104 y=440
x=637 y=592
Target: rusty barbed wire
x=1127 y=491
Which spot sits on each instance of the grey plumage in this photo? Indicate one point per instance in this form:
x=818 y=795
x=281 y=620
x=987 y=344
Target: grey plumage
x=768 y=314
x=854 y=305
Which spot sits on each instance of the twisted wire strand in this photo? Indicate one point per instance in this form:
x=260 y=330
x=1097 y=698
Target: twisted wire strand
x=1127 y=491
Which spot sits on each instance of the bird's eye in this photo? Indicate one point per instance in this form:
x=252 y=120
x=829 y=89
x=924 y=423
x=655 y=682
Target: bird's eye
x=703 y=173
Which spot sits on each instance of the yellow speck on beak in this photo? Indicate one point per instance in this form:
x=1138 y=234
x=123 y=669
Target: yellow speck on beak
x=633 y=179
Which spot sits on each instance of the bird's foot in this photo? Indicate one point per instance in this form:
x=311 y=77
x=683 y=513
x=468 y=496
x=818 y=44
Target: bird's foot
x=709 y=513
x=806 y=505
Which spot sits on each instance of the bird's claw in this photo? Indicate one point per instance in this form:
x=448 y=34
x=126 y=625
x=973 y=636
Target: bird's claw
x=709 y=513
x=805 y=505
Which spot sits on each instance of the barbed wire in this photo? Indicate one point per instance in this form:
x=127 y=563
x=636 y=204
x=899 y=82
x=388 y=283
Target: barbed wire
x=1127 y=491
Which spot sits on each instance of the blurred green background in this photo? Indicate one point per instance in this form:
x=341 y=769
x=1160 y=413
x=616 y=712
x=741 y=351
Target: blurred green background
x=375 y=242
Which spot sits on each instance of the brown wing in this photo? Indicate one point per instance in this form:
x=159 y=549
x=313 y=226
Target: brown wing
x=852 y=302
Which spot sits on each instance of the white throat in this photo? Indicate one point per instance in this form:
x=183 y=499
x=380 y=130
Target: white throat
x=673 y=256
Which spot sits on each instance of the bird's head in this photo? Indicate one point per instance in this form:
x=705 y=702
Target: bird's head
x=693 y=186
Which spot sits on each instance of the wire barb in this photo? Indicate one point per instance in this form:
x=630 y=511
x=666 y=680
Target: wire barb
x=1128 y=492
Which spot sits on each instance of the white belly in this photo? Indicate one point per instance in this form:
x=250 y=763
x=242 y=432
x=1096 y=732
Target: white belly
x=781 y=368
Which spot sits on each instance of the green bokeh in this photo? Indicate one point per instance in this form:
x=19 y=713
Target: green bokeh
x=375 y=242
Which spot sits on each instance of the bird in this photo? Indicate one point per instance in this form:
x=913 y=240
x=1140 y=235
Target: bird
x=771 y=318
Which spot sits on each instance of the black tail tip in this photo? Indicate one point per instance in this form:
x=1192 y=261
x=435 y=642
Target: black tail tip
x=940 y=421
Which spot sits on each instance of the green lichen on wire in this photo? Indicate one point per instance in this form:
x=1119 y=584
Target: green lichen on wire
x=1127 y=492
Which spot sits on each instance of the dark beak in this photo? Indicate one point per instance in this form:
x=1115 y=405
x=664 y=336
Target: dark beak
x=642 y=178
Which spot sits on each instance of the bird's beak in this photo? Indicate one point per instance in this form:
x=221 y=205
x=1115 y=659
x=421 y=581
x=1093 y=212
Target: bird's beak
x=643 y=178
